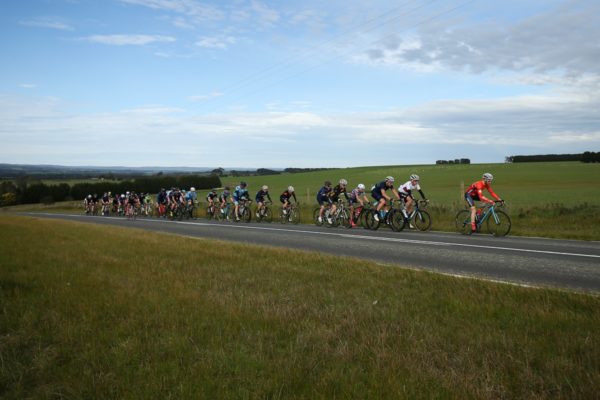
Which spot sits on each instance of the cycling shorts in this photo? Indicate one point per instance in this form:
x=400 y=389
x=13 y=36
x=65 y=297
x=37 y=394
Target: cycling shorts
x=471 y=198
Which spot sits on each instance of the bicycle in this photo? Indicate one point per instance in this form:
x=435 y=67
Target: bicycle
x=212 y=211
x=394 y=218
x=418 y=216
x=224 y=213
x=105 y=209
x=317 y=212
x=341 y=216
x=243 y=211
x=360 y=212
x=264 y=214
x=291 y=214
x=131 y=211
x=497 y=222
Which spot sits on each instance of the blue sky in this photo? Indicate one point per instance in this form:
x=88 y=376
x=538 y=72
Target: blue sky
x=250 y=83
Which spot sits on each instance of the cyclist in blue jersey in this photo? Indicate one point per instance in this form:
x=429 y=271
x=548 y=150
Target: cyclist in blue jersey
x=239 y=194
x=378 y=192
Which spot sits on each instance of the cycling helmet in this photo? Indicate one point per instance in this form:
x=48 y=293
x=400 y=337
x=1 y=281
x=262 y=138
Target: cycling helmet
x=243 y=184
x=389 y=178
x=414 y=177
x=89 y=196
x=488 y=177
x=361 y=186
x=290 y=189
x=192 y=189
x=327 y=183
x=265 y=187
x=343 y=182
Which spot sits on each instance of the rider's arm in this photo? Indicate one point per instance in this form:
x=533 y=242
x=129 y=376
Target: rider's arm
x=294 y=194
x=494 y=195
x=422 y=194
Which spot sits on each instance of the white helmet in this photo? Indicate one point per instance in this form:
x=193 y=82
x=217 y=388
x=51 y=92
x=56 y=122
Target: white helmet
x=488 y=177
x=192 y=189
x=265 y=187
x=290 y=189
x=361 y=186
x=389 y=178
x=414 y=177
x=343 y=182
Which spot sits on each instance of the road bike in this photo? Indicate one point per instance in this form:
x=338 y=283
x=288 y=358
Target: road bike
x=212 y=211
x=290 y=214
x=497 y=222
x=244 y=213
x=105 y=209
x=265 y=214
x=418 y=217
x=341 y=216
x=394 y=217
x=359 y=214
x=131 y=211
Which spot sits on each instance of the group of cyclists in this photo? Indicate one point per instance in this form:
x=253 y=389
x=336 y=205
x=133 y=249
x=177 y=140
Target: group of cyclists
x=168 y=201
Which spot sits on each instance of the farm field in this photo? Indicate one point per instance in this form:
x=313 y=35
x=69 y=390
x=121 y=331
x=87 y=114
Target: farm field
x=85 y=316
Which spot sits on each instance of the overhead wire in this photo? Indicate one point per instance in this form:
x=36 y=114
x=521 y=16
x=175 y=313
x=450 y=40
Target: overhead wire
x=331 y=59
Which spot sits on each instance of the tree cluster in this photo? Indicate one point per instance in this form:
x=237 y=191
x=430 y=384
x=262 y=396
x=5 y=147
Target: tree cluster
x=22 y=192
x=455 y=161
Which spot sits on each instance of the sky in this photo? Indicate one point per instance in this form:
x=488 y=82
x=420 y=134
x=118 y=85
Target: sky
x=312 y=83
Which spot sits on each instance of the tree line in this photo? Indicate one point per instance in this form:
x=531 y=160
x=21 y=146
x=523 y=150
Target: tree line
x=23 y=192
x=586 y=157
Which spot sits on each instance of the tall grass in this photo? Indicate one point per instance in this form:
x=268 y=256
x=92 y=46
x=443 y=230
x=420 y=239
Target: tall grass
x=104 y=312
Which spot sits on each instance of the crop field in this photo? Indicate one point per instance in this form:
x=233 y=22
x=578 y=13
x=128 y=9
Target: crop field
x=97 y=312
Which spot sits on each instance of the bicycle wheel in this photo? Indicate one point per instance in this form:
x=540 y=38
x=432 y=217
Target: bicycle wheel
x=316 y=217
x=245 y=215
x=294 y=216
x=370 y=221
x=462 y=222
x=422 y=220
x=498 y=223
x=344 y=219
x=397 y=220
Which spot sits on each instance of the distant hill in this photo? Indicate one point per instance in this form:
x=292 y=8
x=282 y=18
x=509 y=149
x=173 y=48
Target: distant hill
x=10 y=171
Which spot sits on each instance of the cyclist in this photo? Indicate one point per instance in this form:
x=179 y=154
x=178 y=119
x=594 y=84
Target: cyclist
x=87 y=203
x=405 y=192
x=285 y=198
x=161 y=201
x=191 y=198
x=323 y=198
x=105 y=203
x=357 y=195
x=239 y=194
x=334 y=196
x=133 y=201
x=475 y=193
x=224 y=199
x=210 y=198
x=378 y=193
x=260 y=199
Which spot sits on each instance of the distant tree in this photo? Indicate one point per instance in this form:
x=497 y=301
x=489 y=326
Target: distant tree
x=265 y=171
x=465 y=161
x=218 y=171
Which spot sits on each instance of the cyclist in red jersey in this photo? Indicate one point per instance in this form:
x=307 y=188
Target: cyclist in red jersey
x=475 y=193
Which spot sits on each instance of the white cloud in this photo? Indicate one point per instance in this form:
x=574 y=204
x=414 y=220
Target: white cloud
x=195 y=10
x=205 y=97
x=123 y=40
x=28 y=85
x=559 y=39
x=47 y=22
x=216 y=42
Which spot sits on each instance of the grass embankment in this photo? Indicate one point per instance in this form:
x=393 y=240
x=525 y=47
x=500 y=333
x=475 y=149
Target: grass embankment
x=104 y=312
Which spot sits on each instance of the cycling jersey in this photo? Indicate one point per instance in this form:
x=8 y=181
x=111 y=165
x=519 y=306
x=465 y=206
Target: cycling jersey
x=323 y=195
x=260 y=196
x=354 y=195
x=211 y=196
x=240 y=193
x=191 y=196
x=161 y=198
x=225 y=195
x=285 y=196
x=406 y=189
x=475 y=192
x=376 y=190
x=334 y=194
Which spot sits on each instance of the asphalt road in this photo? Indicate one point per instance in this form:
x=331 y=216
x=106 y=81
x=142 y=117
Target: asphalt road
x=567 y=264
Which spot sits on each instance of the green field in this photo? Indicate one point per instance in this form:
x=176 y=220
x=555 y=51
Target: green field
x=106 y=312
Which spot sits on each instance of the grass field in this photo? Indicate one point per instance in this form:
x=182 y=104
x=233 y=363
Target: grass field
x=104 y=312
